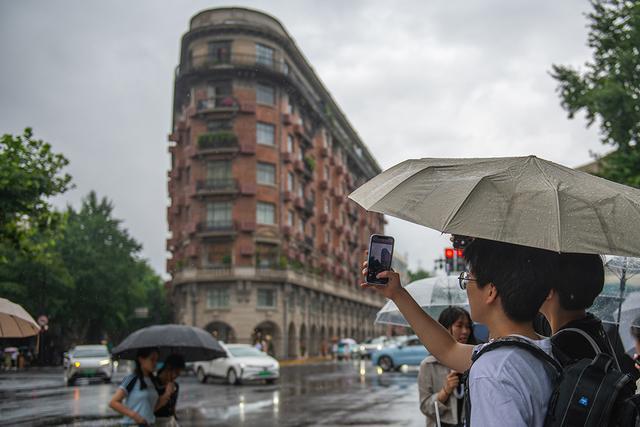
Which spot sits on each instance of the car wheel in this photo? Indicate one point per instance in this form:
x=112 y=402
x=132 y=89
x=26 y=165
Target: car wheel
x=71 y=382
x=107 y=380
x=272 y=380
x=385 y=363
x=232 y=377
x=202 y=377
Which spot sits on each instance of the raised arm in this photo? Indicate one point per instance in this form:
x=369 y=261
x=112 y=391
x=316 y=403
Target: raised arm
x=432 y=334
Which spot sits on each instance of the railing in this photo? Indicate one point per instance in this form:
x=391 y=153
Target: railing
x=225 y=184
x=309 y=206
x=225 y=102
x=219 y=139
x=205 y=62
x=218 y=225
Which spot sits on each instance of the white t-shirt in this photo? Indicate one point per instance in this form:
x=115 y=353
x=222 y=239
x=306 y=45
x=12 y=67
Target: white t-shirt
x=509 y=386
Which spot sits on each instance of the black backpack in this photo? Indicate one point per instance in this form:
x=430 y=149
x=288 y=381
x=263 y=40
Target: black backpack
x=589 y=392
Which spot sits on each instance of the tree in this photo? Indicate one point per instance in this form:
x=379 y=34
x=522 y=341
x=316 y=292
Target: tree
x=30 y=173
x=608 y=90
x=419 y=274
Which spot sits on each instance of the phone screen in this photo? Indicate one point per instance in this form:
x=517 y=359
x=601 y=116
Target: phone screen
x=380 y=255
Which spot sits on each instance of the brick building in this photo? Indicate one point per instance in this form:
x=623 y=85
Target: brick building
x=264 y=238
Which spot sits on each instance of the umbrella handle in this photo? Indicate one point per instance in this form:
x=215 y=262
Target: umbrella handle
x=435 y=404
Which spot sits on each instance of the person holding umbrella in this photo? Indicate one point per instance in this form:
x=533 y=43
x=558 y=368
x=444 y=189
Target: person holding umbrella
x=139 y=391
x=171 y=369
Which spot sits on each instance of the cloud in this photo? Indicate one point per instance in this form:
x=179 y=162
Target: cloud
x=416 y=79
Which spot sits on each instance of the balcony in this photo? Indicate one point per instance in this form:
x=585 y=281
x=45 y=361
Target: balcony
x=299 y=203
x=287 y=119
x=309 y=206
x=308 y=243
x=227 y=60
x=287 y=196
x=287 y=157
x=298 y=166
x=220 y=142
x=214 y=187
x=218 y=228
x=219 y=105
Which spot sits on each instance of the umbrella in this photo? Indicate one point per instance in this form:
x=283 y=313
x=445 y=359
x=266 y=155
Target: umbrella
x=521 y=200
x=15 y=322
x=433 y=294
x=192 y=343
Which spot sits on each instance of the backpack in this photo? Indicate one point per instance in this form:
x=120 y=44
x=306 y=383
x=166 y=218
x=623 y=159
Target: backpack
x=590 y=392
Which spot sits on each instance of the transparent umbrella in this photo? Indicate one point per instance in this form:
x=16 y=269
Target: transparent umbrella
x=433 y=294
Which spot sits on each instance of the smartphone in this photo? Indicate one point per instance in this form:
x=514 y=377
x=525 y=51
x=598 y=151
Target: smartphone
x=380 y=256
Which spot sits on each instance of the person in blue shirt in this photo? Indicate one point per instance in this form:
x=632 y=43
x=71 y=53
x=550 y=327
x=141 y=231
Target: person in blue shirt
x=138 y=391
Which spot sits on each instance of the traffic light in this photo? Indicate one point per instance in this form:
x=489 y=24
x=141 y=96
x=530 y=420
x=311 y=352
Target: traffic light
x=454 y=260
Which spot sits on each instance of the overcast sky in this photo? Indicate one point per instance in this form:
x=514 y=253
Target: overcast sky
x=416 y=79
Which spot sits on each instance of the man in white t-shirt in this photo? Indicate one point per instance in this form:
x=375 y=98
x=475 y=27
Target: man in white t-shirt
x=506 y=285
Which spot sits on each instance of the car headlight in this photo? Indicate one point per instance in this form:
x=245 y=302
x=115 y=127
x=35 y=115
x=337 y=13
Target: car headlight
x=379 y=347
x=105 y=362
x=76 y=364
x=362 y=348
x=242 y=366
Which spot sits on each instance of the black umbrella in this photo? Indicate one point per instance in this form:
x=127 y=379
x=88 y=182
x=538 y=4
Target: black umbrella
x=192 y=343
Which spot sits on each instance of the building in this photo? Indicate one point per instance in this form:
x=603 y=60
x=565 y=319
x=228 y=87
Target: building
x=264 y=241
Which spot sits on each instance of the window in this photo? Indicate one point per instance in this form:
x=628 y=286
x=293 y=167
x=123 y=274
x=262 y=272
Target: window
x=266 y=255
x=327 y=206
x=266 y=173
x=301 y=225
x=327 y=237
x=285 y=68
x=264 y=55
x=266 y=298
x=312 y=196
x=266 y=213
x=219 y=215
x=313 y=230
x=326 y=172
x=265 y=94
x=265 y=134
x=219 y=170
x=300 y=190
x=218 y=298
x=216 y=255
x=218 y=125
x=290 y=181
x=289 y=143
x=342 y=218
x=290 y=218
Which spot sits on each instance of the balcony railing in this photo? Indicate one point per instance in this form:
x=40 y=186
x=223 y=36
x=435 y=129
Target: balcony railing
x=221 y=140
x=226 y=185
x=223 y=102
x=217 y=226
x=207 y=62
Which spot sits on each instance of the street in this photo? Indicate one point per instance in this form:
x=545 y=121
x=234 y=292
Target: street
x=329 y=393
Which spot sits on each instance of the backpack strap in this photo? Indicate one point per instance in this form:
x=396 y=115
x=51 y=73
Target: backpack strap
x=594 y=345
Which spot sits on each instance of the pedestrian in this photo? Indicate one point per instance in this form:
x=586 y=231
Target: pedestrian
x=167 y=375
x=440 y=386
x=139 y=392
x=580 y=280
x=506 y=284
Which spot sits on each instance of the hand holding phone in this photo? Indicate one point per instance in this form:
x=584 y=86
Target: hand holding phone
x=380 y=256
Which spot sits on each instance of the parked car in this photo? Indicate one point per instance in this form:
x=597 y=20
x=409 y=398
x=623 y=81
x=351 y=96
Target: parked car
x=408 y=352
x=371 y=345
x=88 y=361
x=241 y=363
x=346 y=348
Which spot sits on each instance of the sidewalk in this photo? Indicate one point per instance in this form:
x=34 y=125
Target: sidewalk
x=305 y=360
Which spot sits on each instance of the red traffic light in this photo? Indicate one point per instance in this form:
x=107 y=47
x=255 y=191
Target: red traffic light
x=460 y=253
x=448 y=253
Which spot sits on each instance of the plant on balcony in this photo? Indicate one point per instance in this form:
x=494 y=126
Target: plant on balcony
x=226 y=260
x=310 y=162
x=283 y=262
x=217 y=139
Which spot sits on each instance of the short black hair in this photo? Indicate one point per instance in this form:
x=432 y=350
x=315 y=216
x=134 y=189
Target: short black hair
x=451 y=315
x=174 y=361
x=580 y=280
x=522 y=275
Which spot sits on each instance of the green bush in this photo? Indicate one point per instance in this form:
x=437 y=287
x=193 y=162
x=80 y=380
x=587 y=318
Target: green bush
x=217 y=139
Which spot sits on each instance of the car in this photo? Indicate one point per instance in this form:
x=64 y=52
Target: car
x=241 y=362
x=88 y=361
x=367 y=347
x=346 y=348
x=409 y=352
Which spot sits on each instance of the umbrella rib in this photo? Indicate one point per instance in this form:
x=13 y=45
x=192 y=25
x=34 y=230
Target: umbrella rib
x=556 y=192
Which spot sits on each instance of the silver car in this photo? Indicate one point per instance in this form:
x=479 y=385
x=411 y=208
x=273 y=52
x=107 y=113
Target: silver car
x=88 y=361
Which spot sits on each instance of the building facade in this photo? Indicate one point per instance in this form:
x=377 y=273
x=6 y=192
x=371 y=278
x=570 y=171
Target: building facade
x=264 y=242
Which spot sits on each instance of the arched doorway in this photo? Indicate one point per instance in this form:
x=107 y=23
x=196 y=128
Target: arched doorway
x=292 y=348
x=303 y=340
x=324 y=341
x=221 y=331
x=269 y=335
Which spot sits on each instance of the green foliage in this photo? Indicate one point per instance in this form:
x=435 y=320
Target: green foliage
x=310 y=162
x=608 y=90
x=217 y=139
x=30 y=173
x=417 y=275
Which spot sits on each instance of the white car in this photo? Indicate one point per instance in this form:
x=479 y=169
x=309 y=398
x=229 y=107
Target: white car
x=241 y=363
x=368 y=347
x=88 y=361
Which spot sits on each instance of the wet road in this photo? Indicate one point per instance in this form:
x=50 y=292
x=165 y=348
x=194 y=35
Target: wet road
x=332 y=394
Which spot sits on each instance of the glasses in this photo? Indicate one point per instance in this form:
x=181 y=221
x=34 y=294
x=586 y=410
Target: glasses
x=463 y=280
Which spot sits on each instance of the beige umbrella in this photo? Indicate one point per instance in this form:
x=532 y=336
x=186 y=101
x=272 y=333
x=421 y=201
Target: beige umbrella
x=522 y=200
x=15 y=322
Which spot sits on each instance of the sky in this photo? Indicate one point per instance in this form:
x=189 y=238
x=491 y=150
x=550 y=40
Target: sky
x=415 y=79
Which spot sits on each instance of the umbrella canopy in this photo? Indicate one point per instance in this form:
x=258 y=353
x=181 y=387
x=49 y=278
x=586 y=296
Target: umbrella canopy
x=192 y=343
x=15 y=322
x=433 y=295
x=521 y=200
